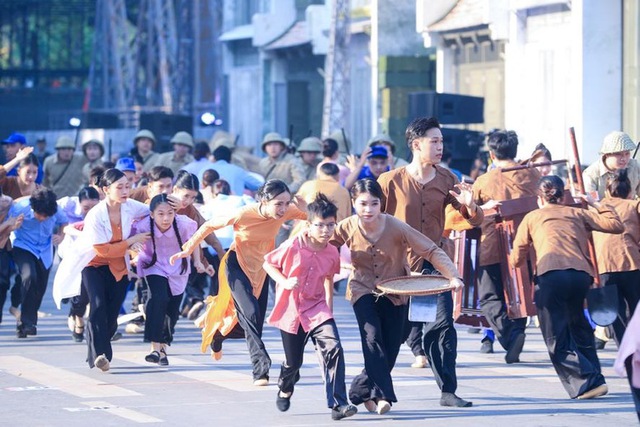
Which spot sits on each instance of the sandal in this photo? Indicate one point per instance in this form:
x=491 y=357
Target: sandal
x=78 y=333
x=153 y=357
x=163 y=361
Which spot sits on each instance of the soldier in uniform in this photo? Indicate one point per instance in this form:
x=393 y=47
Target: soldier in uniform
x=182 y=143
x=309 y=150
x=143 y=147
x=63 y=170
x=279 y=164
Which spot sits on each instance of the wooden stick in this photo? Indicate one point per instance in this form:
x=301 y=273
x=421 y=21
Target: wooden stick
x=533 y=165
x=578 y=169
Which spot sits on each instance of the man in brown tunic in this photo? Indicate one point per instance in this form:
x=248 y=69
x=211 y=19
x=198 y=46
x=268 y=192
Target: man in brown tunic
x=498 y=185
x=63 y=170
x=418 y=195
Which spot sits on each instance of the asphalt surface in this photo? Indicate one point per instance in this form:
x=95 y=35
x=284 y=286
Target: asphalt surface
x=44 y=381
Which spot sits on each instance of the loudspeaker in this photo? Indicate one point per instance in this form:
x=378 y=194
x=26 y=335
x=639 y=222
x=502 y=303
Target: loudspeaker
x=463 y=146
x=91 y=120
x=164 y=126
x=448 y=108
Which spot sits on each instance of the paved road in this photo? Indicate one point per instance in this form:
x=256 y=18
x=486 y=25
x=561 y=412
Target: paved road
x=45 y=382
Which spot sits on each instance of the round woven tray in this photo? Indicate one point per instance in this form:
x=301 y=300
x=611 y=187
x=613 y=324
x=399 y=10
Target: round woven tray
x=415 y=285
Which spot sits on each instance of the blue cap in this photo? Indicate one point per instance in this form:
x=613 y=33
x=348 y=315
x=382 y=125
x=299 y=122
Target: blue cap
x=15 y=138
x=126 y=164
x=378 y=151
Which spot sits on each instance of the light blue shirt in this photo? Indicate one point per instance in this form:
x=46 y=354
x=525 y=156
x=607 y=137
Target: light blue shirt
x=197 y=167
x=35 y=236
x=238 y=178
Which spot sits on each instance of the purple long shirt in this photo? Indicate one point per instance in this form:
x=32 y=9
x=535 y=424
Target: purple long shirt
x=166 y=245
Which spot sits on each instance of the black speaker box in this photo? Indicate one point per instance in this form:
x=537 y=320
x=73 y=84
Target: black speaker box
x=448 y=108
x=92 y=120
x=164 y=126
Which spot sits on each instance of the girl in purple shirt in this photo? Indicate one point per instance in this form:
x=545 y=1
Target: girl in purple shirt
x=166 y=282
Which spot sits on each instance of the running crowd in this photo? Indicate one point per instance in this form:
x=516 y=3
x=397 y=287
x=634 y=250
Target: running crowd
x=170 y=225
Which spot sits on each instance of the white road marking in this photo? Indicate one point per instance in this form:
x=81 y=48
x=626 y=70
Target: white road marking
x=210 y=372
x=126 y=413
x=69 y=382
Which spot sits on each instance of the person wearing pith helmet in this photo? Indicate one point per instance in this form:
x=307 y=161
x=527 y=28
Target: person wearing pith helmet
x=63 y=170
x=93 y=150
x=143 y=142
x=309 y=151
x=279 y=164
x=182 y=143
x=615 y=155
x=386 y=141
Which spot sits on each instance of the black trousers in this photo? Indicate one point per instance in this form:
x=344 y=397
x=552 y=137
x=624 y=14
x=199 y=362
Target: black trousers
x=326 y=340
x=5 y=277
x=381 y=325
x=106 y=296
x=214 y=261
x=628 y=283
x=559 y=297
x=195 y=290
x=441 y=340
x=412 y=337
x=494 y=307
x=78 y=304
x=162 y=311
x=34 y=285
x=635 y=392
x=251 y=313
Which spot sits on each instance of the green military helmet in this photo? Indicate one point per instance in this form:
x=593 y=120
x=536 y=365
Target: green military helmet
x=65 y=142
x=99 y=143
x=182 y=138
x=310 y=144
x=144 y=133
x=273 y=137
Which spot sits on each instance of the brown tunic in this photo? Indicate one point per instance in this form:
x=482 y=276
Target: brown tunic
x=498 y=185
x=385 y=258
x=9 y=185
x=559 y=235
x=620 y=252
x=422 y=206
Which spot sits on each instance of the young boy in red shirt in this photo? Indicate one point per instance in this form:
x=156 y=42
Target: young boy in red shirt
x=303 y=269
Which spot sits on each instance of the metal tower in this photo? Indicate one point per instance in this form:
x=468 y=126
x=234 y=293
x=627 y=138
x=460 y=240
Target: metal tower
x=335 y=114
x=112 y=72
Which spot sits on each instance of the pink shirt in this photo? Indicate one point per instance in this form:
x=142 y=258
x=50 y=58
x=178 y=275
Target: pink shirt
x=306 y=304
x=166 y=245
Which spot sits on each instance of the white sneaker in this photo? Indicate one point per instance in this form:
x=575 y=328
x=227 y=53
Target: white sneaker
x=421 y=362
x=102 y=363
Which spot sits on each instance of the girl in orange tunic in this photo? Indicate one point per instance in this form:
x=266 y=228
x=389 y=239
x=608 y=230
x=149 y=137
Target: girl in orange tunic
x=255 y=229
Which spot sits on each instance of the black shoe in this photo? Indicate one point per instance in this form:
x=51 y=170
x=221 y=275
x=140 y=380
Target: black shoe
x=487 y=347
x=116 y=336
x=344 y=411
x=164 y=360
x=513 y=353
x=20 y=333
x=30 y=330
x=283 y=403
x=450 y=399
x=600 y=344
x=153 y=357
